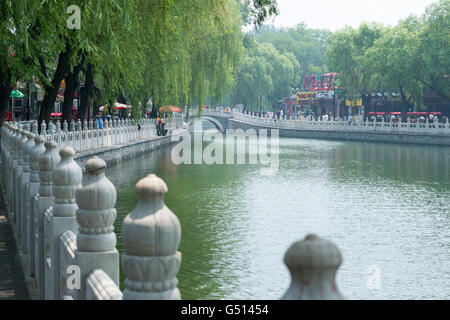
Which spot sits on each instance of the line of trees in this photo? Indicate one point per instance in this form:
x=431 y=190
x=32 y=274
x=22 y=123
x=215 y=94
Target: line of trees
x=276 y=61
x=410 y=58
x=169 y=52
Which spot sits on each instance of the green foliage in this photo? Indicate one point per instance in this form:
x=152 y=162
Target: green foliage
x=433 y=49
x=168 y=52
x=307 y=45
x=276 y=61
x=346 y=55
x=267 y=74
x=411 y=57
x=257 y=11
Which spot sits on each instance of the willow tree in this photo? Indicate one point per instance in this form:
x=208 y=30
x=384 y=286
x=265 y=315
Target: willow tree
x=188 y=50
x=216 y=50
x=346 y=53
x=392 y=62
x=265 y=72
x=433 y=49
x=15 y=58
x=56 y=49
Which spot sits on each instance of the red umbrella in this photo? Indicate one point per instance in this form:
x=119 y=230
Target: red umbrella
x=175 y=109
x=169 y=109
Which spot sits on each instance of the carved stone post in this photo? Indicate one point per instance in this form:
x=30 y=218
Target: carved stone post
x=19 y=183
x=151 y=234
x=44 y=130
x=96 y=240
x=36 y=153
x=11 y=166
x=24 y=195
x=313 y=263
x=16 y=171
x=84 y=136
x=66 y=179
x=47 y=162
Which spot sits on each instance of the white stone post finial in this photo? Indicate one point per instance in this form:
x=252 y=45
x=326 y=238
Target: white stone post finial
x=313 y=263
x=36 y=153
x=85 y=125
x=66 y=178
x=34 y=128
x=58 y=126
x=96 y=213
x=96 y=240
x=72 y=126
x=65 y=125
x=151 y=234
x=47 y=163
x=43 y=128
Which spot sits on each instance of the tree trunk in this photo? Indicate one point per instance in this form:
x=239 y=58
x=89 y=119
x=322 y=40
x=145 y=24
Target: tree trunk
x=85 y=92
x=5 y=92
x=405 y=103
x=52 y=90
x=6 y=86
x=366 y=103
x=71 y=85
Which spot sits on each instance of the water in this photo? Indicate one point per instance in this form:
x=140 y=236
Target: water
x=383 y=205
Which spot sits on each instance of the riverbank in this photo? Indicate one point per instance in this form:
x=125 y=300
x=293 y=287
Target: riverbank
x=122 y=152
x=403 y=138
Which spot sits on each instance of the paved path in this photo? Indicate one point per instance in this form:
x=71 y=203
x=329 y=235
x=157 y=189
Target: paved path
x=12 y=280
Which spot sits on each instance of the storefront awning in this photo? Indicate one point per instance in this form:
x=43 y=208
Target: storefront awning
x=16 y=94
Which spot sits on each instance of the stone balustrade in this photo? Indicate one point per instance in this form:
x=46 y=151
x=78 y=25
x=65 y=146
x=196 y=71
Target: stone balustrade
x=426 y=128
x=65 y=224
x=82 y=137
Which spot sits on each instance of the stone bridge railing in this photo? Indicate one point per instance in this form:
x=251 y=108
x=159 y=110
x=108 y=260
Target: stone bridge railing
x=88 y=136
x=425 y=128
x=64 y=227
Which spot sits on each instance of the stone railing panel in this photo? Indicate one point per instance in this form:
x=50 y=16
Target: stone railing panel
x=69 y=280
x=99 y=286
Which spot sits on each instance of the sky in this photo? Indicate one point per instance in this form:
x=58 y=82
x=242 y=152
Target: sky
x=335 y=14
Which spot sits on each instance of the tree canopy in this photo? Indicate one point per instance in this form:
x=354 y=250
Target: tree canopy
x=167 y=52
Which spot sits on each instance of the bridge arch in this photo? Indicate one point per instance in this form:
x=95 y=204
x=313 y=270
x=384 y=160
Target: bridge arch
x=215 y=122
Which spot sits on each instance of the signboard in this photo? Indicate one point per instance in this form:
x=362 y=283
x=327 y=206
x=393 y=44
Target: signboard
x=325 y=94
x=353 y=103
x=303 y=96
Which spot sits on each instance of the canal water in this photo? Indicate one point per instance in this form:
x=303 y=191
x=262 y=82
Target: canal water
x=386 y=206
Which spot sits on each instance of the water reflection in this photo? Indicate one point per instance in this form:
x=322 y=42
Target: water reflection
x=382 y=204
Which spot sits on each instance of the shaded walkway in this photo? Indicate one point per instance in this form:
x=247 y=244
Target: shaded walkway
x=12 y=281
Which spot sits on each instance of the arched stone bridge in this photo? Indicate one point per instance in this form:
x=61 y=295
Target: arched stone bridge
x=219 y=120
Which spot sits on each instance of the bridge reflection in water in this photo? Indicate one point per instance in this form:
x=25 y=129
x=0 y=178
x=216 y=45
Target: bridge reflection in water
x=385 y=206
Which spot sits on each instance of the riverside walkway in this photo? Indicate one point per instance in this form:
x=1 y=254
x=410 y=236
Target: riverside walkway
x=12 y=278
